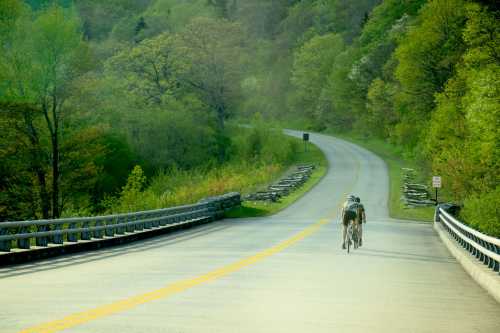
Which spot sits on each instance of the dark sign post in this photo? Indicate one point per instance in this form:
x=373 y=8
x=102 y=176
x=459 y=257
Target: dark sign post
x=305 y=137
x=436 y=183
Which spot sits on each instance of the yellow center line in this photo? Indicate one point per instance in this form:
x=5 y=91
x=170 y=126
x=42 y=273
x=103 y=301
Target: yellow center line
x=174 y=288
x=177 y=287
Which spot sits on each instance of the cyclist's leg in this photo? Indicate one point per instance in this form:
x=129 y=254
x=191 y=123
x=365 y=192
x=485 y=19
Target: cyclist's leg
x=355 y=230
x=360 y=233
x=345 y=221
x=344 y=234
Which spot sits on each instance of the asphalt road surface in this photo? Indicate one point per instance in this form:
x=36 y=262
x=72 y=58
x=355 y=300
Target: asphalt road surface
x=285 y=273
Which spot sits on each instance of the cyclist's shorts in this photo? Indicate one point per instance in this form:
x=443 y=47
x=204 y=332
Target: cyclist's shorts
x=348 y=215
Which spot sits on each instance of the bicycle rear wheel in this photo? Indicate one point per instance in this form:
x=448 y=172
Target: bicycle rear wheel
x=349 y=237
x=355 y=238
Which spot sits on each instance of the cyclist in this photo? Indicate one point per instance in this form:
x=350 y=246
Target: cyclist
x=352 y=209
x=361 y=217
x=348 y=214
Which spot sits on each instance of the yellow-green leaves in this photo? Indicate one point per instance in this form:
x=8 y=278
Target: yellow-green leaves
x=312 y=65
x=149 y=69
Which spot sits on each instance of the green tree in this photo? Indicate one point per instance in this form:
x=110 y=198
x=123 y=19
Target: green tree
x=427 y=56
x=212 y=60
x=312 y=65
x=148 y=70
x=463 y=139
x=45 y=57
x=380 y=108
x=349 y=16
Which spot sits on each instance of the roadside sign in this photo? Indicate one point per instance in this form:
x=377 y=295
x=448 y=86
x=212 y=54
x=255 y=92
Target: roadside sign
x=305 y=137
x=436 y=181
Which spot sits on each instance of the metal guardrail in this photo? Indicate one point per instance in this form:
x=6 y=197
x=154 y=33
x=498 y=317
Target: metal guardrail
x=78 y=229
x=485 y=248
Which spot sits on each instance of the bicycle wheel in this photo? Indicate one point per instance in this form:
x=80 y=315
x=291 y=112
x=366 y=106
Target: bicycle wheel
x=349 y=237
x=355 y=238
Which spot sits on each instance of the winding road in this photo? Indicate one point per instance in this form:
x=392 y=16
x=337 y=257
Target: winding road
x=285 y=273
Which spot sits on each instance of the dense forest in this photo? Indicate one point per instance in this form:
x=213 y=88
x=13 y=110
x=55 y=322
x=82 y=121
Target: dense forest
x=105 y=101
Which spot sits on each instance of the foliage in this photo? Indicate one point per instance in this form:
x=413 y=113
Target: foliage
x=310 y=70
x=464 y=139
x=314 y=156
x=131 y=192
x=266 y=155
x=481 y=212
x=90 y=88
x=212 y=54
x=148 y=70
x=426 y=58
x=99 y=18
x=349 y=17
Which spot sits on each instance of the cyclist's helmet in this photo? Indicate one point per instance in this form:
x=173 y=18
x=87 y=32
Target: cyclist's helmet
x=351 y=197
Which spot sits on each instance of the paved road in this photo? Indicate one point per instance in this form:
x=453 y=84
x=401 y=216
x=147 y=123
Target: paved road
x=262 y=275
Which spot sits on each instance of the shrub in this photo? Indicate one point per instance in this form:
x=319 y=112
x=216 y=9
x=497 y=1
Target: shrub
x=259 y=156
x=482 y=212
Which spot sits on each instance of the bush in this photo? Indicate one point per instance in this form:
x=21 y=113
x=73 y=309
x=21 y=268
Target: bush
x=259 y=155
x=262 y=144
x=482 y=212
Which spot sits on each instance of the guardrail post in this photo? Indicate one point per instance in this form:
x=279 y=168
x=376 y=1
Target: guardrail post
x=24 y=243
x=120 y=230
x=110 y=229
x=156 y=222
x=496 y=264
x=6 y=244
x=85 y=234
x=98 y=233
x=131 y=223
x=168 y=220
x=212 y=209
x=139 y=224
x=57 y=239
x=162 y=220
x=148 y=224
x=42 y=241
x=72 y=236
x=487 y=260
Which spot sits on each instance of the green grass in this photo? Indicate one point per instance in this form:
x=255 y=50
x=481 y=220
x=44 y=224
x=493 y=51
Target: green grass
x=394 y=161
x=258 y=208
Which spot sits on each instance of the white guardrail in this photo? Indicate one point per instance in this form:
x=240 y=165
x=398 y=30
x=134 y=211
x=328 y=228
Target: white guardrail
x=485 y=248
x=21 y=233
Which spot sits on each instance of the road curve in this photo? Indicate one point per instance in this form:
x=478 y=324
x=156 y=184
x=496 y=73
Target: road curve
x=285 y=273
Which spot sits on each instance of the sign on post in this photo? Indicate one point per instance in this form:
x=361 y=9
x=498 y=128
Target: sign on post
x=436 y=183
x=305 y=137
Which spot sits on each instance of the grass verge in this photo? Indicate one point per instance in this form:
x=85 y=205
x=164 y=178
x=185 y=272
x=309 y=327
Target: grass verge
x=258 y=208
x=394 y=161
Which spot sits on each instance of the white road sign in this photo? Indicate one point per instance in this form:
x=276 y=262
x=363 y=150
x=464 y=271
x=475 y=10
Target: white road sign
x=436 y=181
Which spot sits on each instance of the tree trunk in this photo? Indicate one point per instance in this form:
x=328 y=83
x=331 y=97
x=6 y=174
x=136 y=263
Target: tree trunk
x=37 y=164
x=221 y=114
x=55 y=176
x=44 y=195
x=53 y=125
x=55 y=160
x=221 y=149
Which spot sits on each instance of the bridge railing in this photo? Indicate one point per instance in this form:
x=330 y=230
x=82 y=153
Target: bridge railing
x=57 y=231
x=485 y=248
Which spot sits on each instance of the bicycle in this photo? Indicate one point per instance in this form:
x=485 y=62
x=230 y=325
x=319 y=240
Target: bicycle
x=352 y=236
